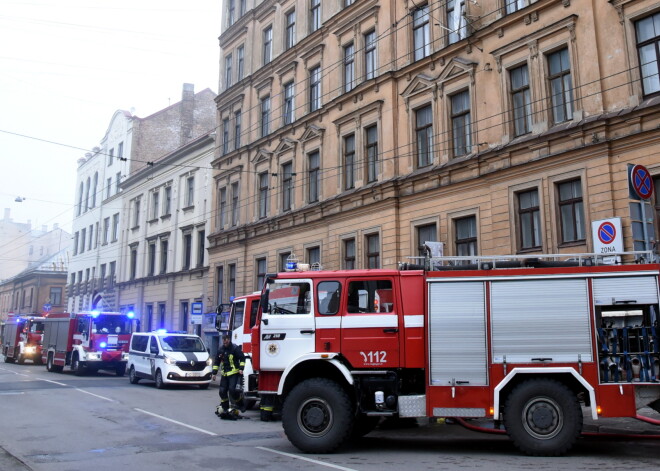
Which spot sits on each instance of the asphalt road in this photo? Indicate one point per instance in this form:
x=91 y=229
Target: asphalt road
x=62 y=422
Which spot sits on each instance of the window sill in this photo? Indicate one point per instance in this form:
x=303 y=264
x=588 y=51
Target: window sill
x=151 y=221
x=135 y=228
x=165 y=216
x=188 y=208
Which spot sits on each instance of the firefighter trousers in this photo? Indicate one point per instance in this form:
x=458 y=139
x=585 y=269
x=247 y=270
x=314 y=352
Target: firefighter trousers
x=228 y=391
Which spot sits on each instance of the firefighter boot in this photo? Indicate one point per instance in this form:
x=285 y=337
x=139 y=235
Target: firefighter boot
x=219 y=410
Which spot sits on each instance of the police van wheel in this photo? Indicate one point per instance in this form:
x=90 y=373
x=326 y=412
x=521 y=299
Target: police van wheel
x=132 y=376
x=317 y=416
x=543 y=417
x=160 y=384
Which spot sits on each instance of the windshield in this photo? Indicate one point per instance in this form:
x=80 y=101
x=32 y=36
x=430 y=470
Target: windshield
x=105 y=324
x=37 y=327
x=289 y=298
x=178 y=343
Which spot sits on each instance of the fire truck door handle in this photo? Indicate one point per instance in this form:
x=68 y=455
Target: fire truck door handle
x=307 y=331
x=542 y=359
x=462 y=382
x=390 y=331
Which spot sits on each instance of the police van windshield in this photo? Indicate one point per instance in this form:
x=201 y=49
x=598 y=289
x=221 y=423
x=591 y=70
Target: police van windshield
x=104 y=324
x=178 y=343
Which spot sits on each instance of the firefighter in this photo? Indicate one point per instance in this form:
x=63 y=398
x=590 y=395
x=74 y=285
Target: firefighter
x=230 y=361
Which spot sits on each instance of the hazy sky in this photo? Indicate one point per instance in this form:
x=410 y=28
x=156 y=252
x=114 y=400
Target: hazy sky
x=67 y=65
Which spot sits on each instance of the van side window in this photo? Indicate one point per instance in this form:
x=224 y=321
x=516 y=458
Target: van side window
x=328 y=294
x=153 y=346
x=370 y=296
x=139 y=343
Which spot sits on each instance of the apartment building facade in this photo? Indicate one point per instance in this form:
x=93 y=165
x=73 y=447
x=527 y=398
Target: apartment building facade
x=357 y=130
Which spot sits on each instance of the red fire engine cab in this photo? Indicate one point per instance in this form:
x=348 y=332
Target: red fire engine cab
x=237 y=320
x=22 y=339
x=87 y=341
x=526 y=342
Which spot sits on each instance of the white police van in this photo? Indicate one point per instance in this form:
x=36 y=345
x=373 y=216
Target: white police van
x=169 y=358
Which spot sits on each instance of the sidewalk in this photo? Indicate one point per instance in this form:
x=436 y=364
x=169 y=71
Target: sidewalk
x=622 y=425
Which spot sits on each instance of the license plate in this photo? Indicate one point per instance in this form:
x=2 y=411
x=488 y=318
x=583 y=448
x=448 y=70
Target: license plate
x=192 y=375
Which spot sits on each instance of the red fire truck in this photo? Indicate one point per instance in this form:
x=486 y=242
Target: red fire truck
x=22 y=339
x=237 y=320
x=87 y=341
x=525 y=342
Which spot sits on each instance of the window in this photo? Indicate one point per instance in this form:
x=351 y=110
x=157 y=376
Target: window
x=349 y=161
x=161 y=316
x=268 y=45
x=466 y=237
x=231 y=12
x=348 y=3
x=228 y=62
x=373 y=251
x=460 y=121
x=349 y=254
x=315 y=88
x=234 y=204
x=242 y=4
x=184 y=316
x=421 y=33
x=370 y=296
x=219 y=284
x=222 y=207
x=117 y=181
x=190 y=191
x=232 y=280
x=106 y=230
x=370 y=55
x=168 y=201
x=426 y=233
x=120 y=151
x=102 y=278
x=240 y=66
x=521 y=100
x=515 y=5
x=111 y=156
x=83 y=240
x=95 y=189
x=314 y=256
x=261 y=268
x=313 y=177
x=115 y=227
x=152 y=259
x=284 y=257
x=187 y=251
x=81 y=192
x=237 y=130
x=287 y=186
x=163 y=256
x=372 y=153
x=456 y=20
x=108 y=189
x=155 y=204
x=561 y=88
x=424 y=136
x=263 y=195
x=111 y=278
x=56 y=296
x=133 y=266
x=136 y=213
x=314 y=15
x=201 y=248
x=265 y=116
x=529 y=219
x=288 y=103
x=648 y=48
x=640 y=233
x=225 y=136
x=91 y=237
x=75 y=243
x=87 y=194
x=289 y=297
x=571 y=211
x=349 y=67
x=290 y=30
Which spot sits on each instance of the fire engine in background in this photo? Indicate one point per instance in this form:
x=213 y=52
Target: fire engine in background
x=237 y=320
x=524 y=342
x=22 y=339
x=87 y=341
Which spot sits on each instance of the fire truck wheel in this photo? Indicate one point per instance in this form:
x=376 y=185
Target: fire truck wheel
x=160 y=384
x=543 y=417
x=317 y=416
x=76 y=367
x=21 y=359
x=120 y=370
x=132 y=376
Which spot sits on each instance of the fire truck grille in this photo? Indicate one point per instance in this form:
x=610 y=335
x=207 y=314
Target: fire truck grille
x=186 y=366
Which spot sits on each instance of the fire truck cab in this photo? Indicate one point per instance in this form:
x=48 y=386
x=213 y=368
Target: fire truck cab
x=87 y=341
x=22 y=339
x=238 y=323
x=527 y=346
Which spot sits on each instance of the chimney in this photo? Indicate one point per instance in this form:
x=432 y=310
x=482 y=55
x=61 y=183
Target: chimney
x=187 y=112
x=7 y=214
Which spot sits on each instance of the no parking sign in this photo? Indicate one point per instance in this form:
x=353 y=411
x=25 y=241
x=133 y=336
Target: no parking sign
x=606 y=235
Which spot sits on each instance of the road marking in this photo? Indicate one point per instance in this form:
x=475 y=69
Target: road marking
x=96 y=395
x=51 y=381
x=177 y=422
x=291 y=455
x=15 y=393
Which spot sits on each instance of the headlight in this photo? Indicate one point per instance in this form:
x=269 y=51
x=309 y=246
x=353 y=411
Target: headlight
x=93 y=356
x=30 y=349
x=124 y=356
x=170 y=360
x=209 y=362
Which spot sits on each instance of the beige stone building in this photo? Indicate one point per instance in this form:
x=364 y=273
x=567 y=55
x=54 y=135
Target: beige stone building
x=350 y=132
